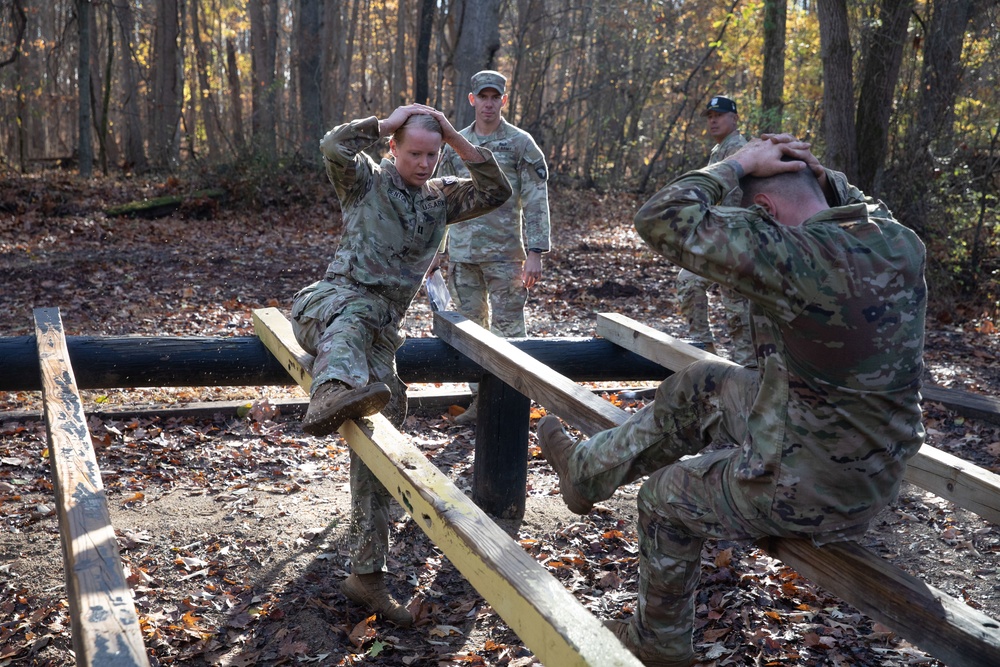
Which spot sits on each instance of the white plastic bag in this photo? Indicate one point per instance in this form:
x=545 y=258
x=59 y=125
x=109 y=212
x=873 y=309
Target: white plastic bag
x=437 y=291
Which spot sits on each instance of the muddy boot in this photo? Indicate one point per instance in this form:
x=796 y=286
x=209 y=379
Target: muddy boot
x=469 y=416
x=335 y=402
x=556 y=447
x=369 y=591
x=647 y=656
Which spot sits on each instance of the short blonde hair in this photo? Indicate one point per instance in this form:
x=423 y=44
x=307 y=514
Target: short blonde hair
x=424 y=121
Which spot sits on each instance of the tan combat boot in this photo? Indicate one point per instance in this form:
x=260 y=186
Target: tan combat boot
x=469 y=416
x=648 y=657
x=369 y=590
x=556 y=447
x=335 y=402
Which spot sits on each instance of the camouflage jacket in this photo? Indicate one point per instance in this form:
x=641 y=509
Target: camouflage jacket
x=523 y=222
x=732 y=143
x=837 y=310
x=391 y=231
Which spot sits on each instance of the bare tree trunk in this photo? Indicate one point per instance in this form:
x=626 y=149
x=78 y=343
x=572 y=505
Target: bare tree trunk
x=773 y=81
x=343 y=74
x=838 y=88
x=309 y=78
x=236 y=95
x=425 y=27
x=85 y=147
x=206 y=100
x=166 y=101
x=104 y=140
x=400 y=86
x=135 y=152
x=941 y=77
x=881 y=72
x=262 y=36
x=478 y=41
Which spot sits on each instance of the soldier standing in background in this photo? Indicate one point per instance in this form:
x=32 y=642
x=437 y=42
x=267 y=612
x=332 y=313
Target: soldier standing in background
x=489 y=272
x=394 y=219
x=820 y=434
x=692 y=289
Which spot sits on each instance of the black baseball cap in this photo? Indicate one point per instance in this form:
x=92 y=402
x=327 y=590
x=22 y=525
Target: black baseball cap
x=720 y=104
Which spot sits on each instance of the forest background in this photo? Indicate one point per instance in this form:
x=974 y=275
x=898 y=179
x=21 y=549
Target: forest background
x=902 y=95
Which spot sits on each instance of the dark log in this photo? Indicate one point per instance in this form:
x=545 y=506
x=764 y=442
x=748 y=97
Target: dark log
x=135 y=361
x=500 y=473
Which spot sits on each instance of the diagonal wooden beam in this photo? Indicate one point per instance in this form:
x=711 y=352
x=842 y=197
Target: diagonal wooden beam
x=523 y=372
x=948 y=629
x=547 y=618
x=963 y=483
x=930 y=619
x=103 y=618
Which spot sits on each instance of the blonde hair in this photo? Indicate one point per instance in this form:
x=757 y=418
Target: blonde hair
x=421 y=120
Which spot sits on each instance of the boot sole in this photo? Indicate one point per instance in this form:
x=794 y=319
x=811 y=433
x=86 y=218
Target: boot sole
x=368 y=402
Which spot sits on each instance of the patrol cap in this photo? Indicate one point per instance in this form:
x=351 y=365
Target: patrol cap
x=488 y=79
x=720 y=104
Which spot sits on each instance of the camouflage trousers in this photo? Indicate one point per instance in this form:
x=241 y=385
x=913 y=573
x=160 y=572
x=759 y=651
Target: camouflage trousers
x=354 y=337
x=682 y=502
x=692 y=300
x=491 y=294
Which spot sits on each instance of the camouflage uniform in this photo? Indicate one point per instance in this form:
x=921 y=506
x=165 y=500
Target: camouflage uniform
x=692 y=289
x=821 y=432
x=350 y=319
x=486 y=255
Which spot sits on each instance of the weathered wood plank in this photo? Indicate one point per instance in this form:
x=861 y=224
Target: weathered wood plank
x=958 y=481
x=856 y=575
x=103 y=618
x=546 y=617
x=967 y=404
x=524 y=373
x=951 y=631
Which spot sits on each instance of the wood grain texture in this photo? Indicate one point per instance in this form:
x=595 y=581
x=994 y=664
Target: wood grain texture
x=104 y=622
x=556 y=392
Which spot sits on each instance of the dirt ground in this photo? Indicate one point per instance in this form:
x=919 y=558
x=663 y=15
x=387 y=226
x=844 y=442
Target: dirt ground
x=233 y=528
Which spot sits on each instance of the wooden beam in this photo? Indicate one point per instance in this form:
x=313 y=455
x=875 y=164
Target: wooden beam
x=547 y=618
x=856 y=575
x=500 y=463
x=967 y=404
x=951 y=631
x=103 y=618
x=106 y=362
x=525 y=374
x=958 y=481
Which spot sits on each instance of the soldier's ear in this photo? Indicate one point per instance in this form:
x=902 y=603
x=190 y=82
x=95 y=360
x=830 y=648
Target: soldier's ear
x=764 y=201
x=392 y=146
x=472 y=99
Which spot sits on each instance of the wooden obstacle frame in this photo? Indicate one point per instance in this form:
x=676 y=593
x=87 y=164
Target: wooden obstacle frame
x=511 y=374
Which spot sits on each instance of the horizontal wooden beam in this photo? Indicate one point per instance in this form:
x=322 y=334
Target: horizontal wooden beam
x=856 y=575
x=958 y=481
x=143 y=361
x=547 y=618
x=103 y=619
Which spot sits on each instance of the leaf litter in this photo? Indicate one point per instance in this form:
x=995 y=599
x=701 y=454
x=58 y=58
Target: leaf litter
x=233 y=529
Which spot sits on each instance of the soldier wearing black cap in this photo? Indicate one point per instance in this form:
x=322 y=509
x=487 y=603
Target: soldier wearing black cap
x=692 y=289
